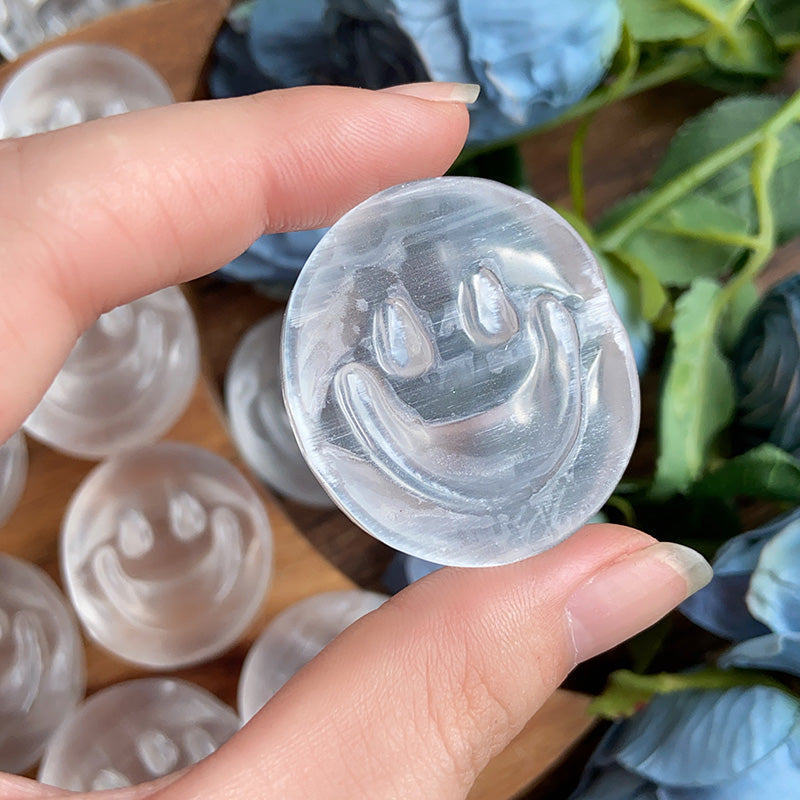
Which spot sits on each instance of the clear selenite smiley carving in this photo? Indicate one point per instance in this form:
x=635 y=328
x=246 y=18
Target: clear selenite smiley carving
x=13 y=472
x=126 y=381
x=298 y=634
x=134 y=732
x=42 y=670
x=259 y=425
x=456 y=373
x=166 y=554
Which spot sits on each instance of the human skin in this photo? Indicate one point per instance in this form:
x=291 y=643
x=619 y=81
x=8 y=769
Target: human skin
x=415 y=698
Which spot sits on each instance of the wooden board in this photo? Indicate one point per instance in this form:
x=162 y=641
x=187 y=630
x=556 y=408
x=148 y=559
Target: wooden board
x=175 y=36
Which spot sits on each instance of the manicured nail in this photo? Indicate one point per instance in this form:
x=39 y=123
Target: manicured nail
x=631 y=594
x=439 y=91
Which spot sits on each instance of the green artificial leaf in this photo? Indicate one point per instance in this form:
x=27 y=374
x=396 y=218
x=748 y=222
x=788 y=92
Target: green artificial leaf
x=696 y=521
x=780 y=17
x=736 y=314
x=765 y=472
x=748 y=49
x=503 y=164
x=654 y=302
x=645 y=646
x=691 y=239
x=722 y=124
x=697 y=398
x=627 y=692
x=664 y=20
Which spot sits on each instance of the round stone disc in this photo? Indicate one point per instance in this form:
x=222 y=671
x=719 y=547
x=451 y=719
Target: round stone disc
x=456 y=373
x=13 y=473
x=166 y=553
x=259 y=425
x=134 y=732
x=293 y=638
x=76 y=83
x=127 y=380
x=42 y=667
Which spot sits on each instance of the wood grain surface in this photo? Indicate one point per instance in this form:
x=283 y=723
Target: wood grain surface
x=175 y=37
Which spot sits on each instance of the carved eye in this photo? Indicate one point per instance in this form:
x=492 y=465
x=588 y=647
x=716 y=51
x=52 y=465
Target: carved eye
x=187 y=517
x=403 y=346
x=135 y=535
x=487 y=315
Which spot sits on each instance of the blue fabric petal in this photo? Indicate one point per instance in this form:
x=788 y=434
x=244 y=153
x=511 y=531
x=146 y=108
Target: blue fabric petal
x=289 y=43
x=615 y=783
x=533 y=58
x=775 y=777
x=778 y=652
x=416 y=568
x=234 y=74
x=721 y=606
x=766 y=365
x=275 y=258
x=774 y=594
x=700 y=738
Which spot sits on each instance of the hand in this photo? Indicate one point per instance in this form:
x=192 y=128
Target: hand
x=414 y=699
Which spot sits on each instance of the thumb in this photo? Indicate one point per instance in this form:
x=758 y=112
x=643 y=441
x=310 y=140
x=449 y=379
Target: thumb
x=414 y=699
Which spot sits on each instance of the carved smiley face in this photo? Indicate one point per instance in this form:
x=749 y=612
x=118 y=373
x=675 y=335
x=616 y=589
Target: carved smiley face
x=134 y=732
x=42 y=671
x=456 y=373
x=166 y=553
x=127 y=379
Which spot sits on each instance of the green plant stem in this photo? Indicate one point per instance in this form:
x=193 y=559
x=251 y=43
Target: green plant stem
x=680 y=64
x=788 y=42
x=577 y=187
x=765 y=159
x=664 y=197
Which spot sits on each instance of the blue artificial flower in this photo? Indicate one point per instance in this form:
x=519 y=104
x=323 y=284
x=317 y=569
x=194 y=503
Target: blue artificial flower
x=274 y=261
x=754 y=598
x=533 y=58
x=712 y=744
x=767 y=369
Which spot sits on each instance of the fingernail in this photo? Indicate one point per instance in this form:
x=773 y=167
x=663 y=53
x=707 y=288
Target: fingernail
x=631 y=594
x=439 y=91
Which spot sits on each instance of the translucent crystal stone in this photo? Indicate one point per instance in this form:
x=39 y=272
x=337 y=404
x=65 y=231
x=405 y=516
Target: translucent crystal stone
x=456 y=373
x=126 y=381
x=166 y=554
x=259 y=424
x=13 y=472
x=76 y=83
x=42 y=670
x=293 y=638
x=134 y=732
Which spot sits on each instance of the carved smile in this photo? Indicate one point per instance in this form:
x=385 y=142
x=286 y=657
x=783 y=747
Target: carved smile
x=459 y=462
x=20 y=683
x=143 y=601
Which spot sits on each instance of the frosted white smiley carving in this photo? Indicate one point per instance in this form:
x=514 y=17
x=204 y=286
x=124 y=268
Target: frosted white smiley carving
x=166 y=553
x=134 y=732
x=126 y=381
x=456 y=373
x=259 y=425
x=42 y=673
x=13 y=473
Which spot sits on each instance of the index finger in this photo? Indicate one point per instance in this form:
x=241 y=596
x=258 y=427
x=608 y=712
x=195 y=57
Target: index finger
x=96 y=215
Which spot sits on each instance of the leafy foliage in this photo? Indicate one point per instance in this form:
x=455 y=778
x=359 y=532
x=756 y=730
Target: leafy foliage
x=698 y=396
